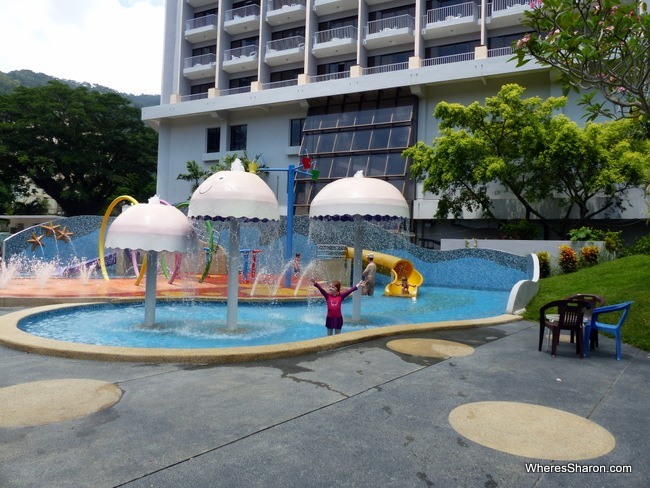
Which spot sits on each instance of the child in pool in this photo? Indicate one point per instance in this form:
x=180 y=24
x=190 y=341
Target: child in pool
x=334 y=298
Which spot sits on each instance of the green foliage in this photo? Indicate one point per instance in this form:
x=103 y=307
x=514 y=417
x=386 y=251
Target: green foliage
x=618 y=281
x=544 y=264
x=599 y=46
x=613 y=241
x=521 y=229
x=519 y=144
x=82 y=148
x=585 y=234
x=640 y=246
x=194 y=174
x=568 y=259
x=589 y=255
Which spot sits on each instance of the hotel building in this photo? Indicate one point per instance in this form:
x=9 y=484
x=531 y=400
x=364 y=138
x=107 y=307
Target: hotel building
x=351 y=83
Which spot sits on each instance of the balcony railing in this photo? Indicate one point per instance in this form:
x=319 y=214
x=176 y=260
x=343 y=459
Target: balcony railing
x=279 y=84
x=205 y=21
x=235 y=91
x=239 y=52
x=507 y=4
x=393 y=23
x=295 y=42
x=386 y=68
x=452 y=12
x=330 y=76
x=337 y=34
x=194 y=96
x=500 y=51
x=278 y=4
x=242 y=12
x=201 y=60
x=454 y=58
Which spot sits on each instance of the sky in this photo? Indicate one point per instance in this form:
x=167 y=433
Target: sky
x=114 y=43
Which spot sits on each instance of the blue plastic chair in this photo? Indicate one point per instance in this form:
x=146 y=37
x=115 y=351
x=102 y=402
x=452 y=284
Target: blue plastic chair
x=614 y=329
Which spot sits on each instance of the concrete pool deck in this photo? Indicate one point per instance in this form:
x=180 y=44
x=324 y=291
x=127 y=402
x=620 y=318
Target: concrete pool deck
x=366 y=414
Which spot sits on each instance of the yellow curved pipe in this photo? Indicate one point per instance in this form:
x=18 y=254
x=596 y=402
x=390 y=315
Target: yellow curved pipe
x=143 y=268
x=102 y=231
x=396 y=268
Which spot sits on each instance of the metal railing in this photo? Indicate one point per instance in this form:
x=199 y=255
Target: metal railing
x=205 y=21
x=454 y=58
x=278 y=4
x=500 y=51
x=194 y=96
x=201 y=60
x=329 y=76
x=400 y=22
x=339 y=33
x=240 y=52
x=296 y=42
x=386 y=68
x=242 y=12
x=330 y=251
x=498 y=5
x=442 y=14
x=279 y=84
x=234 y=91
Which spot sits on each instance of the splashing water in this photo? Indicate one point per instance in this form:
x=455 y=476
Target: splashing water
x=43 y=271
x=7 y=273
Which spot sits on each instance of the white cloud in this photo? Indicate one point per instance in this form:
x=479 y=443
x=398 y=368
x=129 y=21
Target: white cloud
x=115 y=43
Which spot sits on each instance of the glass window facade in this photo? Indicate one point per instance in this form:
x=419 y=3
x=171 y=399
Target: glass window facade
x=358 y=132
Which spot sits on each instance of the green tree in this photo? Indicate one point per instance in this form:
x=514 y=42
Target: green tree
x=597 y=46
x=81 y=147
x=520 y=145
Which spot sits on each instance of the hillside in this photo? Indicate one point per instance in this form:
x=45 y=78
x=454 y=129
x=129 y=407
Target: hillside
x=27 y=78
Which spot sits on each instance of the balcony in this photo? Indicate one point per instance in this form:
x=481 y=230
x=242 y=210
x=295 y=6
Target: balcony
x=285 y=51
x=342 y=40
x=454 y=20
x=286 y=11
x=242 y=19
x=201 y=29
x=389 y=32
x=240 y=59
x=201 y=3
x=197 y=67
x=377 y=2
x=326 y=7
x=505 y=13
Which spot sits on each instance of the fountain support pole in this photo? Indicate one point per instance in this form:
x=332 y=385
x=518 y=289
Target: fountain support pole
x=356 y=267
x=150 y=289
x=233 y=274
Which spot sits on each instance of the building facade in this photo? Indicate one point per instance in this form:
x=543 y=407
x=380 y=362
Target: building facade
x=351 y=83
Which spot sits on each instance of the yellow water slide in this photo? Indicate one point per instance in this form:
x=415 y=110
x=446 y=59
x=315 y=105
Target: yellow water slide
x=396 y=268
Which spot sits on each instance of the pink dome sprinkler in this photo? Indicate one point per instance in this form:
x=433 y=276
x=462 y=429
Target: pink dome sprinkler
x=151 y=228
x=357 y=199
x=234 y=196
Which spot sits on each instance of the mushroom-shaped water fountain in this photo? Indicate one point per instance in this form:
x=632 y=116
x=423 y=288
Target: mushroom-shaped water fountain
x=234 y=196
x=152 y=228
x=357 y=199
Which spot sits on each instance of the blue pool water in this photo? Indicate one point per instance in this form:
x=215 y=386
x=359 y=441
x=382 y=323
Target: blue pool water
x=193 y=325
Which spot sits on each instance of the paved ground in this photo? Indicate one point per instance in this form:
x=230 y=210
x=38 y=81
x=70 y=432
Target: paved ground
x=362 y=416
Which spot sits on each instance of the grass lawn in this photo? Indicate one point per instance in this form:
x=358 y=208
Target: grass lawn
x=621 y=280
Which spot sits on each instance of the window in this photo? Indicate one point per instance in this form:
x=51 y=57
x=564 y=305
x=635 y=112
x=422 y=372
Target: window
x=251 y=41
x=214 y=140
x=202 y=88
x=295 y=132
x=238 y=137
x=284 y=34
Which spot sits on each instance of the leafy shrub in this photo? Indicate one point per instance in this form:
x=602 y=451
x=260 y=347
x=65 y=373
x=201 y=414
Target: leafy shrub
x=522 y=229
x=585 y=234
x=568 y=259
x=613 y=241
x=589 y=255
x=544 y=264
x=640 y=246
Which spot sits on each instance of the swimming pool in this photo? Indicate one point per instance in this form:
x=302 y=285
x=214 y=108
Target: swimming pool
x=195 y=325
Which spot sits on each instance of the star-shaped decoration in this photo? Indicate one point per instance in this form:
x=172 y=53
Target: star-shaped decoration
x=49 y=228
x=64 y=234
x=36 y=240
